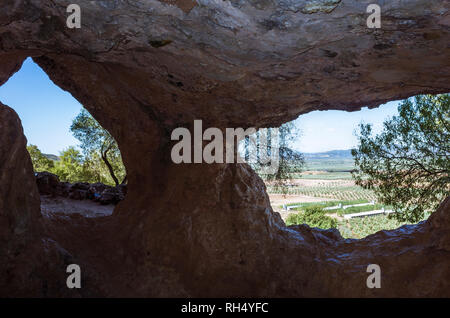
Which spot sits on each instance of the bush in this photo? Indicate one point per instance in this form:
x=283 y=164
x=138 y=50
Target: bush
x=39 y=160
x=314 y=217
x=73 y=166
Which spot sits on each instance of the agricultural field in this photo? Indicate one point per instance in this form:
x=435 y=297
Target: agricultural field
x=330 y=165
x=331 y=191
x=358 y=209
x=323 y=175
x=342 y=211
x=324 y=204
x=358 y=228
x=330 y=161
x=355 y=228
x=327 y=182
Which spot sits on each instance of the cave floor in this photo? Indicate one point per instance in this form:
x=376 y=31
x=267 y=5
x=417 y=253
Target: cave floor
x=66 y=206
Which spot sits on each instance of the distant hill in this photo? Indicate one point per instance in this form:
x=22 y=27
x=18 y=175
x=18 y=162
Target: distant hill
x=333 y=154
x=334 y=160
x=51 y=157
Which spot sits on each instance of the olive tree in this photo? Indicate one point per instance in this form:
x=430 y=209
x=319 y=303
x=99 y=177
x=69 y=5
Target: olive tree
x=408 y=163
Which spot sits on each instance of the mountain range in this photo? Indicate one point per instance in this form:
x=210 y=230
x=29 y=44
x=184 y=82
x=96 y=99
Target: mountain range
x=333 y=154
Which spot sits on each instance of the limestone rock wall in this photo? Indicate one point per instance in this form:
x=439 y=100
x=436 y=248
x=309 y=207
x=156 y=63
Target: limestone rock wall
x=145 y=68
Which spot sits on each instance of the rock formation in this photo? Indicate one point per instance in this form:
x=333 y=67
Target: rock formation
x=49 y=184
x=143 y=68
x=30 y=261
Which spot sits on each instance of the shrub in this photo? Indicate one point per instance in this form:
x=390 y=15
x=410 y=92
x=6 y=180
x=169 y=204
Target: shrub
x=314 y=217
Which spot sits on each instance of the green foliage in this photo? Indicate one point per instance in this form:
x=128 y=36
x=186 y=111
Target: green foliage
x=40 y=162
x=100 y=149
x=100 y=171
x=73 y=166
x=70 y=167
x=361 y=227
x=289 y=161
x=100 y=161
x=314 y=217
x=408 y=163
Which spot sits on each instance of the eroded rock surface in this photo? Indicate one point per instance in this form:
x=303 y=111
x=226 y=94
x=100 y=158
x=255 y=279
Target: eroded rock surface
x=19 y=202
x=145 y=68
x=30 y=262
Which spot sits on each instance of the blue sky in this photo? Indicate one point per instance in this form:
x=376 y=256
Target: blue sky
x=47 y=112
x=335 y=130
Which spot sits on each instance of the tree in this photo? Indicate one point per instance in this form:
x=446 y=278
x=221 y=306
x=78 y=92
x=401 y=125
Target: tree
x=71 y=167
x=100 y=172
x=39 y=160
x=408 y=163
x=289 y=161
x=97 y=140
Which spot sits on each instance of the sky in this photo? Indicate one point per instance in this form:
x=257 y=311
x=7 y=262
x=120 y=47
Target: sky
x=47 y=112
x=45 y=109
x=335 y=130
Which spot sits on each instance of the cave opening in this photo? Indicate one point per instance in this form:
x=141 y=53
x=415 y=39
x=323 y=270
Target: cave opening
x=77 y=163
x=318 y=184
x=209 y=230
